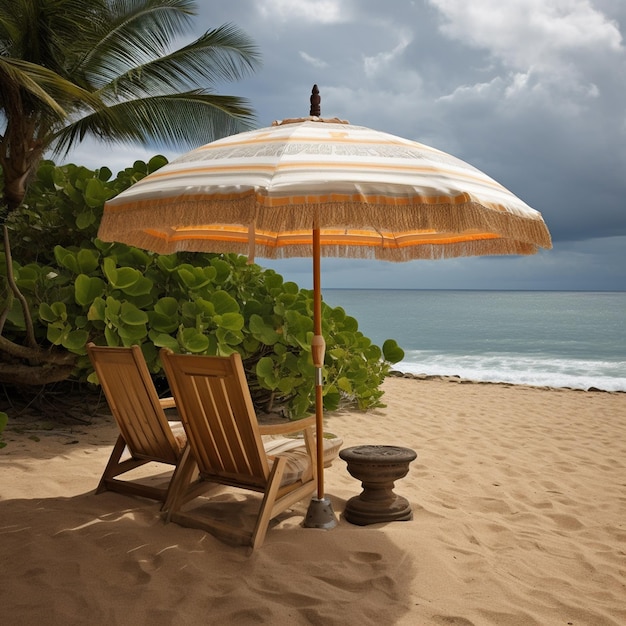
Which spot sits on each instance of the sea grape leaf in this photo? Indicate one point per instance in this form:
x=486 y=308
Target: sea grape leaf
x=223 y=270
x=263 y=331
x=155 y=163
x=95 y=193
x=87 y=289
x=392 y=351
x=343 y=384
x=167 y=306
x=88 y=260
x=75 y=341
x=231 y=321
x=162 y=323
x=224 y=303
x=85 y=219
x=111 y=336
x=195 y=278
x=67 y=259
x=162 y=340
x=97 y=310
x=266 y=372
x=142 y=286
x=193 y=341
x=57 y=332
x=131 y=315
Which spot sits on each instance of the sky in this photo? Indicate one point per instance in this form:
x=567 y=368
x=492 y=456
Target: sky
x=532 y=92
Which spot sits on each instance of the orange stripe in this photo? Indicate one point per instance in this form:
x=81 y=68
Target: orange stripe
x=130 y=204
x=332 y=238
x=315 y=166
x=342 y=137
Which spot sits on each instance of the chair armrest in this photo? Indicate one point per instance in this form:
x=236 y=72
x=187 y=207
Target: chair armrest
x=285 y=426
x=167 y=403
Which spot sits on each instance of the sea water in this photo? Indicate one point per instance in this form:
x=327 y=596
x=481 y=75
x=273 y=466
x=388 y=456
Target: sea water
x=545 y=338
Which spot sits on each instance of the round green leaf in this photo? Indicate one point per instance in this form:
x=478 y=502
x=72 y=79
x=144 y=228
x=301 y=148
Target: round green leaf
x=392 y=351
x=131 y=315
x=263 y=331
x=193 y=341
x=88 y=260
x=85 y=219
x=87 y=289
x=167 y=306
x=224 y=303
x=75 y=341
x=161 y=340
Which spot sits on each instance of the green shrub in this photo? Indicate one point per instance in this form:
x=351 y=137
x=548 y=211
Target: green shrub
x=81 y=289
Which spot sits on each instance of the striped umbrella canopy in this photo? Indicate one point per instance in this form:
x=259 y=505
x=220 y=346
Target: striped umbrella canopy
x=322 y=187
x=373 y=195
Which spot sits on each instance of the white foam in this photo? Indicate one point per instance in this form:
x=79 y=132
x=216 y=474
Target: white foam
x=539 y=371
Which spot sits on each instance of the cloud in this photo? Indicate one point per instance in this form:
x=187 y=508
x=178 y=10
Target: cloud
x=546 y=47
x=313 y=61
x=322 y=11
x=382 y=61
x=529 y=33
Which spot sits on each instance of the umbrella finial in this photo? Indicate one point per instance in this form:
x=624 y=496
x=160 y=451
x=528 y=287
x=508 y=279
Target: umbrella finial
x=315 y=102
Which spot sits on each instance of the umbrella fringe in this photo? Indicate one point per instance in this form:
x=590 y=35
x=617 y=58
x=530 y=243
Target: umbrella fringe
x=426 y=251
x=445 y=230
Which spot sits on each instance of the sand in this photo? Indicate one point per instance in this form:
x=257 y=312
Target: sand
x=519 y=502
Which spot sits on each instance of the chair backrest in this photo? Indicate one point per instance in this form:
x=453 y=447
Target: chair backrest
x=134 y=402
x=215 y=406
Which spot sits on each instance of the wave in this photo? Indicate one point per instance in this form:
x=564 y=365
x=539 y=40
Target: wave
x=536 y=370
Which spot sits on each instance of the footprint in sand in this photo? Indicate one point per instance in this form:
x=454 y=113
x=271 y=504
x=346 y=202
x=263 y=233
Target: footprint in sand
x=142 y=568
x=566 y=522
x=365 y=557
x=454 y=620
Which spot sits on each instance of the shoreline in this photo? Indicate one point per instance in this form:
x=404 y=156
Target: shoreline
x=455 y=378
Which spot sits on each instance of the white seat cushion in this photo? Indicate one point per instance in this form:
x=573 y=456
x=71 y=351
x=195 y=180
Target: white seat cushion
x=297 y=458
x=179 y=434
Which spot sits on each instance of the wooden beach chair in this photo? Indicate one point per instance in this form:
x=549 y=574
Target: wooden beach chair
x=225 y=440
x=145 y=433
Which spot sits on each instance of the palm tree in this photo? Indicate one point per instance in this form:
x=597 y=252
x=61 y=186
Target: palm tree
x=107 y=69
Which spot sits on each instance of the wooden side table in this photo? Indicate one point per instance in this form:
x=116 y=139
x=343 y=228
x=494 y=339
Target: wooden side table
x=377 y=467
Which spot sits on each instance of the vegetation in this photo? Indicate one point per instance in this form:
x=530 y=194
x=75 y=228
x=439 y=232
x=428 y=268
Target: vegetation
x=81 y=289
x=104 y=69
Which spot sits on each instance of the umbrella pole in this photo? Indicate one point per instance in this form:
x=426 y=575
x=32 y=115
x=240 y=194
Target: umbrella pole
x=320 y=513
x=318 y=348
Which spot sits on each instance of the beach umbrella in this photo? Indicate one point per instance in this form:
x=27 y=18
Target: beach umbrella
x=322 y=187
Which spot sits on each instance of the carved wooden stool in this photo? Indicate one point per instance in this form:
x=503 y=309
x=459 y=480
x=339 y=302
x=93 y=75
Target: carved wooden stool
x=377 y=467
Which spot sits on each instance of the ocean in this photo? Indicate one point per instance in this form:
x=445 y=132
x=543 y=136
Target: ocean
x=545 y=338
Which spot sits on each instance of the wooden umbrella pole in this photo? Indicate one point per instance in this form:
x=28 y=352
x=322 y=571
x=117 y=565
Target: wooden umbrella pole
x=318 y=347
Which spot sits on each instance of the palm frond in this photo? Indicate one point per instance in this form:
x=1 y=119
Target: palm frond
x=17 y=76
x=58 y=93
x=180 y=120
x=136 y=32
x=48 y=33
x=223 y=54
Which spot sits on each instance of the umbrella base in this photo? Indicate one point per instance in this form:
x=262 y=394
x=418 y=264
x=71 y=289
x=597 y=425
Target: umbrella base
x=320 y=514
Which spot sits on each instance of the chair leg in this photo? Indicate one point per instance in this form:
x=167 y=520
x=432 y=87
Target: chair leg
x=115 y=467
x=180 y=482
x=267 y=505
x=112 y=468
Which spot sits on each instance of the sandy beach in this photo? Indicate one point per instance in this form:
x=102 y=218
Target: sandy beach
x=519 y=502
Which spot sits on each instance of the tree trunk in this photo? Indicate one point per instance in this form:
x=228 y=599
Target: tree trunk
x=28 y=364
